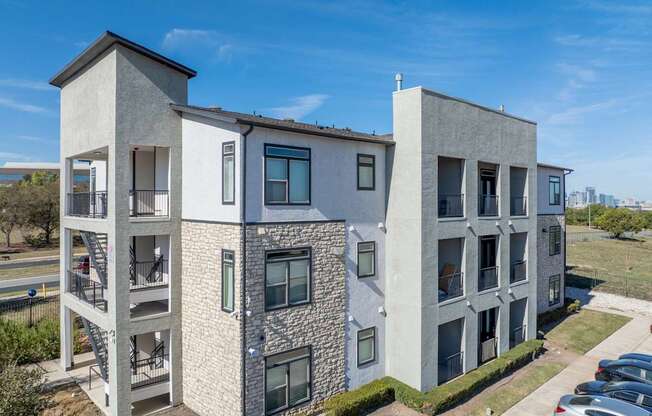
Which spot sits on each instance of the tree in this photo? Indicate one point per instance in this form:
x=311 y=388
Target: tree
x=40 y=200
x=10 y=211
x=647 y=219
x=618 y=221
x=21 y=390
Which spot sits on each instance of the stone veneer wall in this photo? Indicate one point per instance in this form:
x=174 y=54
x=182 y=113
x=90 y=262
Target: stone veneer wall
x=548 y=265
x=210 y=337
x=319 y=324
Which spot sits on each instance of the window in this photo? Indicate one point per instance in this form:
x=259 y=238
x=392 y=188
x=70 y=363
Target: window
x=287 y=175
x=554 y=240
x=287 y=278
x=228 y=173
x=631 y=371
x=554 y=290
x=366 y=259
x=554 y=190
x=366 y=346
x=366 y=172
x=287 y=379
x=628 y=396
x=228 y=281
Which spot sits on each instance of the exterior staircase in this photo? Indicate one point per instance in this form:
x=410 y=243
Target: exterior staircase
x=98 y=340
x=95 y=244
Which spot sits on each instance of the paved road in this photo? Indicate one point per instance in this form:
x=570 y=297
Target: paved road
x=14 y=285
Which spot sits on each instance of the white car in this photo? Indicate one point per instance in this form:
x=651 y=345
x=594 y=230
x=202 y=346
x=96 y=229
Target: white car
x=574 y=405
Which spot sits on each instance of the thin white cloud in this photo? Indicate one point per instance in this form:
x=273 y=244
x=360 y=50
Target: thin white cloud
x=14 y=157
x=33 y=139
x=26 y=84
x=300 y=106
x=176 y=38
x=15 y=105
x=580 y=73
x=225 y=52
x=573 y=115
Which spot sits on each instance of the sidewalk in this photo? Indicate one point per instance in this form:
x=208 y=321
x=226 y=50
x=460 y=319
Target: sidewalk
x=634 y=336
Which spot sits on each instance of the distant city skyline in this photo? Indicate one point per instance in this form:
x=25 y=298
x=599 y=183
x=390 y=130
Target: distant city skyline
x=593 y=195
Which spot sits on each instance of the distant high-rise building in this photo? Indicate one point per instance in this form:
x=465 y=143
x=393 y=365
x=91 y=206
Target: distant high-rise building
x=590 y=195
x=607 y=200
x=575 y=199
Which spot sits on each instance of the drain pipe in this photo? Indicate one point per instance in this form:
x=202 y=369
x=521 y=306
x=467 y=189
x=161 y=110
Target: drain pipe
x=243 y=291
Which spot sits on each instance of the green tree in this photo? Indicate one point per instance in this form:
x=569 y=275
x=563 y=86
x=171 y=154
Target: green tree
x=647 y=219
x=21 y=391
x=618 y=221
x=40 y=200
x=11 y=212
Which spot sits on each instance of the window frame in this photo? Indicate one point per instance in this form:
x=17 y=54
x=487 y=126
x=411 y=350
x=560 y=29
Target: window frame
x=373 y=172
x=287 y=160
x=554 y=245
x=557 y=192
x=287 y=375
x=287 y=279
x=224 y=156
x=373 y=252
x=557 y=281
x=357 y=346
x=224 y=263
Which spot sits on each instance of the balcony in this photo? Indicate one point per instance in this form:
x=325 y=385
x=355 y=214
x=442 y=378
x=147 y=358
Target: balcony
x=450 y=187
x=488 y=350
x=451 y=367
x=518 y=272
x=87 y=204
x=451 y=260
x=451 y=206
x=518 y=188
x=148 y=371
x=450 y=350
x=148 y=274
x=518 y=206
x=488 y=278
x=148 y=203
x=451 y=286
x=517 y=335
x=87 y=289
x=488 y=205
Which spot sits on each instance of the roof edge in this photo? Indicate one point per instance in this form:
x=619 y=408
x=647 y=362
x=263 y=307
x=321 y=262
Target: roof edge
x=546 y=165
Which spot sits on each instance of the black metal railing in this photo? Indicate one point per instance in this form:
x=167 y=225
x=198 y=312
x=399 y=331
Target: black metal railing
x=518 y=272
x=488 y=205
x=517 y=335
x=30 y=310
x=148 y=371
x=87 y=204
x=488 y=349
x=451 y=286
x=144 y=274
x=451 y=367
x=451 y=205
x=148 y=203
x=518 y=206
x=88 y=290
x=487 y=278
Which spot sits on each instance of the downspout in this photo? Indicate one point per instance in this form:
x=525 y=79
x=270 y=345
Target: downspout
x=243 y=289
x=565 y=242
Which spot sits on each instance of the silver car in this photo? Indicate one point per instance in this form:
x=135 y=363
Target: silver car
x=573 y=405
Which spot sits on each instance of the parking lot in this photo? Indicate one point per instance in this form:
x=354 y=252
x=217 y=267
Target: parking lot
x=635 y=336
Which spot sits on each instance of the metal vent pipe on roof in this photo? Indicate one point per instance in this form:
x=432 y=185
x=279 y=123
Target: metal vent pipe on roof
x=399 y=81
x=501 y=108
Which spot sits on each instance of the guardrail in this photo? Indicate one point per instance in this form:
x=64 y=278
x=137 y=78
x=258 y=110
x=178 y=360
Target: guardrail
x=87 y=204
x=451 y=367
x=487 y=278
x=451 y=205
x=148 y=203
x=518 y=272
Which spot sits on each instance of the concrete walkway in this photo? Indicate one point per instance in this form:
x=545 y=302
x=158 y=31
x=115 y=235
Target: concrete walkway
x=634 y=336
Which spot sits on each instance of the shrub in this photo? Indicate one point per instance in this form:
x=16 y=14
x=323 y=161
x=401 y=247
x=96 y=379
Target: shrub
x=439 y=399
x=21 y=391
x=570 y=307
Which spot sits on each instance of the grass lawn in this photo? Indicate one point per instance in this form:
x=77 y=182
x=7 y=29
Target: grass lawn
x=581 y=229
x=581 y=332
x=29 y=271
x=623 y=267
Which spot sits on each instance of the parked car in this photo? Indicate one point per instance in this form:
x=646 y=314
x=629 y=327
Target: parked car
x=639 y=394
x=574 y=405
x=624 y=370
x=636 y=356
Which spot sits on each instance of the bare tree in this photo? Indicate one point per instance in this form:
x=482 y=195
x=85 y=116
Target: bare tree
x=40 y=199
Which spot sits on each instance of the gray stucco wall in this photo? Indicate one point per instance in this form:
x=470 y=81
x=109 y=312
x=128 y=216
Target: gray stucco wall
x=543 y=175
x=550 y=265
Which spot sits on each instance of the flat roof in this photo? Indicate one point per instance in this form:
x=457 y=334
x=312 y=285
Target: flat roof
x=104 y=42
x=546 y=165
x=284 y=124
x=26 y=168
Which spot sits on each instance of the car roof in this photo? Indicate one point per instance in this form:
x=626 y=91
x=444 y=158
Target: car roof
x=628 y=385
x=636 y=356
x=605 y=403
x=634 y=363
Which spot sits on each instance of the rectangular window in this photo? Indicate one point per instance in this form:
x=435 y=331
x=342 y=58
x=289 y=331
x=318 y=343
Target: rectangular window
x=287 y=379
x=366 y=172
x=554 y=239
x=554 y=290
x=287 y=278
x=228 y=173
x=366 y=346
x=228 y=280
x=554 y=190
x=366 y=259
x=287 y=175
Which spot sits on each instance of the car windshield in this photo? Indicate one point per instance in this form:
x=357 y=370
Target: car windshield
x=581 y=401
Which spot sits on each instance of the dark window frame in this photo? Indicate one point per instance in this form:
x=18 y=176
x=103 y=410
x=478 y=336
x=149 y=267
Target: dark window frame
x=287 y=363
x=287 y=285
x=556 y=192
x=289 y=179
x=224 y=263
x=358 y=259
x=372 y=165
x=224 y=156
x=556 y=279
x=554 y=240
x=375 y=345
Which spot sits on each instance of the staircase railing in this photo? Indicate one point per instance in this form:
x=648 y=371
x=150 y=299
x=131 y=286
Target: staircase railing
x=96 y=254
x=98 y=345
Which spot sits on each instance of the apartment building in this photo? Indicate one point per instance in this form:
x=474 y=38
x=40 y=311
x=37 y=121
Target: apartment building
x=242 y=264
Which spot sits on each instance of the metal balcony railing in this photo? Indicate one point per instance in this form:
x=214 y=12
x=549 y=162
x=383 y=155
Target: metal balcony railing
x=88 y=290
x=488 y=349
x=451 y=367
x=518 y=272
x=487 y=278
x=87 y=204
x=147 y=274
x=488 y=205
x=451 y=205
x=517 y=335
x=518 y=206
x=148 y=371
x=451 y=286
x=148 y=203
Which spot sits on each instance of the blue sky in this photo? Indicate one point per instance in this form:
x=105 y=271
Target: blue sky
x=581 y=69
